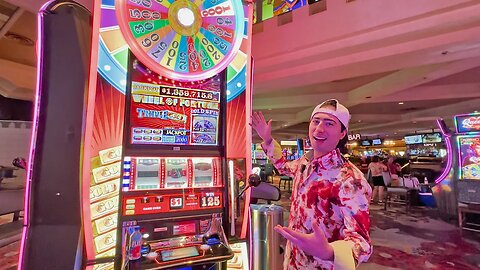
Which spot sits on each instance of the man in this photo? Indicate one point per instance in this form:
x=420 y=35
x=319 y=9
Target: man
x=329 y=220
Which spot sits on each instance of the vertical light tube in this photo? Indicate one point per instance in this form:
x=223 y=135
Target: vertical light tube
x=448 y=142
x=248 y=112
x=232 y=197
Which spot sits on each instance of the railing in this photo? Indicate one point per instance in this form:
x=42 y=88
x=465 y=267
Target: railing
x=282 y=9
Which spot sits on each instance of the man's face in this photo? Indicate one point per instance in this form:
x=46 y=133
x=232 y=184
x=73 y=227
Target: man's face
x=325 y=133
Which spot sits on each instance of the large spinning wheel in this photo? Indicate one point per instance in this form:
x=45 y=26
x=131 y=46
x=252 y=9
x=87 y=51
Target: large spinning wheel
x=181 y=39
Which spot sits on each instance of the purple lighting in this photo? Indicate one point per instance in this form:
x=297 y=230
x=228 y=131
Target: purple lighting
x=33 y=138
x=447 y=136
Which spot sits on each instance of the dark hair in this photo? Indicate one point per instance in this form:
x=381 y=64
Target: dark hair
x=375 y=159
x=342 y=144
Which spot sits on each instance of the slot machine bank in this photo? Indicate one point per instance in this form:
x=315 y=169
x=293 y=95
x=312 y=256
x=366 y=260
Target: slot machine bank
x=148 y=137
x=457 y=190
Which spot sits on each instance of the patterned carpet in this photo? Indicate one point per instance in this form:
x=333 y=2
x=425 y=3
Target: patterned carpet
x=416 y=240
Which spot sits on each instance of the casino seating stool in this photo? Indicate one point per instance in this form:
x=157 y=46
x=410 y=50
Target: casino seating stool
x=286 y=180
x=464 y=208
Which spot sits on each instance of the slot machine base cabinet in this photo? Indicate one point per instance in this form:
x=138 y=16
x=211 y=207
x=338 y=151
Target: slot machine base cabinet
x=179 y=243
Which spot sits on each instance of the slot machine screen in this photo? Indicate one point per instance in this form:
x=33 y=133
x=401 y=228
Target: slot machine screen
x=166 y=112
x=469 y=157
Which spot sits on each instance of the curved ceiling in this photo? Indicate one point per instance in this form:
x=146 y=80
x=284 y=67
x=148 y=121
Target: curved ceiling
x=369 y=54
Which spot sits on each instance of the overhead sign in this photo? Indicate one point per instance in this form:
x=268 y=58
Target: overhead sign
x=467 y=123
x=354 y=137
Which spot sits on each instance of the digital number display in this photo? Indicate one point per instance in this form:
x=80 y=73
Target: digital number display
x=176 y=203
x=210 y=200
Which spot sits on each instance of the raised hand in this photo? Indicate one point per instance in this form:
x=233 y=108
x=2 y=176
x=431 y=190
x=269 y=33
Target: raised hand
x=263 y=129
x=315 y=243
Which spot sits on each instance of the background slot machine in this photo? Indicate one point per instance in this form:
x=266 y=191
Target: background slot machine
x=460 y=181
x=174 y=189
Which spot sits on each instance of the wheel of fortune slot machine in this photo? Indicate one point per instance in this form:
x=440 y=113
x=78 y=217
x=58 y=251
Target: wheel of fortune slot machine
x=172 y=205
x=146 y=140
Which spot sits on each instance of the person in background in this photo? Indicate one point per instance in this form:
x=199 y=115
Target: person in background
x=364 y=164
x=394 y=168
x=376 y=169
x=329 y=223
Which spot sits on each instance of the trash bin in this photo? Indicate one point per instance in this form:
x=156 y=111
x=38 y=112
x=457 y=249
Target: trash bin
x=265 y=250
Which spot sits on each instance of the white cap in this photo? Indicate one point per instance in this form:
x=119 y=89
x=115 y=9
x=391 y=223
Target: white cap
x=340 y=111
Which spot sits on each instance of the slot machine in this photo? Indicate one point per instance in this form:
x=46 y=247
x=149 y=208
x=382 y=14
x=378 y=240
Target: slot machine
x=460 y=181
x=174 y=188
x=173 y=204
x=140 y=141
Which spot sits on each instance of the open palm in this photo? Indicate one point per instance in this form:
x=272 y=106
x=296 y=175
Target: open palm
x=315 y=243
x=263 y=129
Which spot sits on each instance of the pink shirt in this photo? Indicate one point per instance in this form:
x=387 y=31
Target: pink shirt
x=333 y=193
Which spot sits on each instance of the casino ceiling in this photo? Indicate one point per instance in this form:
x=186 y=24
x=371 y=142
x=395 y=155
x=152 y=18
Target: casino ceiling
x=397 y=65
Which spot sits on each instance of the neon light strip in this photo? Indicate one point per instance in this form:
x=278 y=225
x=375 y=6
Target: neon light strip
x=449 y=152
x=33 y=137
x=87 y=134
x=248 y=112
x=232 y=197
x=460 y=161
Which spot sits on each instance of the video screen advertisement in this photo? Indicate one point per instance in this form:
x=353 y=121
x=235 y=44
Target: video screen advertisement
x=469 y=151
x=165 y=113
x=467 y=123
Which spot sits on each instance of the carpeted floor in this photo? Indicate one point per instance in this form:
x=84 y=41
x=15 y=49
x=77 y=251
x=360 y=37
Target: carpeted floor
x=417 y=240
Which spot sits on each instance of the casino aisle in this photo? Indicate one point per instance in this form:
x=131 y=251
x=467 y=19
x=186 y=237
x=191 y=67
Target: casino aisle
x=417 y=240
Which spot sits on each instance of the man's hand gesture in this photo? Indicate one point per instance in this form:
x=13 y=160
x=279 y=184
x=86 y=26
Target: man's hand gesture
x=263 y=129
x=315 y=243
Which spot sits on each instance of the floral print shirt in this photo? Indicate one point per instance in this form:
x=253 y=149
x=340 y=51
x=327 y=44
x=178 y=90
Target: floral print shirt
x=334 y=193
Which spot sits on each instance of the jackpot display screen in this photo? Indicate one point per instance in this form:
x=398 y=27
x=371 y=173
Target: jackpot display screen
x=469 y=150
x=168 y=112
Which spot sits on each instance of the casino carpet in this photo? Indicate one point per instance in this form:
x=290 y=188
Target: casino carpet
x=416 y=240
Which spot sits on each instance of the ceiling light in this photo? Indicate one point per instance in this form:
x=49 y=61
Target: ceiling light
x=400 y=103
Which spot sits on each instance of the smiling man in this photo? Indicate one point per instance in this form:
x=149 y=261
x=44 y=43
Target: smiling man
x=329 y=224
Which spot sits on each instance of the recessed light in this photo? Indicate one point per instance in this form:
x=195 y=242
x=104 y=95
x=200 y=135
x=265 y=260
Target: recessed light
x=400 y=103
